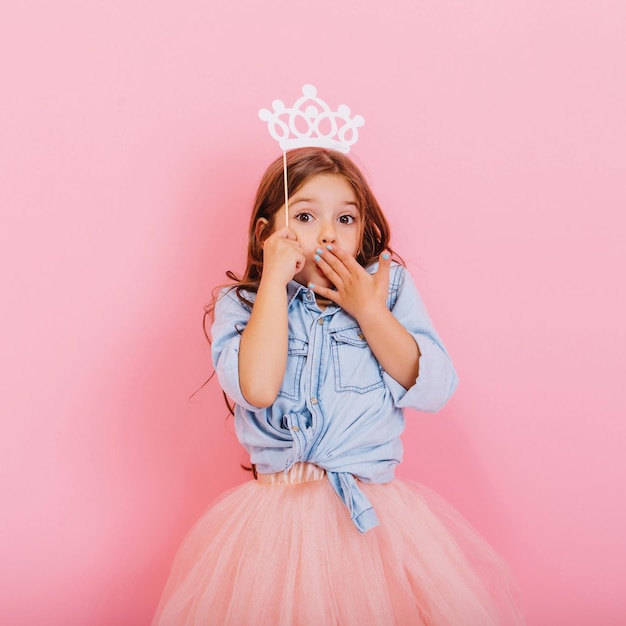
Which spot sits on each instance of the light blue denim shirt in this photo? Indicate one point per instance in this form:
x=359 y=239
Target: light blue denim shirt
x=337 y=407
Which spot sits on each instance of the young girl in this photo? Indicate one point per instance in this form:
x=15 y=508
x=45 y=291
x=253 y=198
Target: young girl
x=321 y=345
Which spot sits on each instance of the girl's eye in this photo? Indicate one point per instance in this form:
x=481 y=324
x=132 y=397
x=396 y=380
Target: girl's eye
x=304 y=217
x=347 y=219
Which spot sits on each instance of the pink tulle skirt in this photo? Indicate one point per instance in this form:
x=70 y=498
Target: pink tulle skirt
x=275 y=552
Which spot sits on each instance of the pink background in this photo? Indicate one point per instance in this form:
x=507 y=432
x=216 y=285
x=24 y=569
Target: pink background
x=129 y=154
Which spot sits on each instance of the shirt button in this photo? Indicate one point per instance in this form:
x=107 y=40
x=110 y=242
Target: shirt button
x=313 y=400
x=295 y=429
x=320 y=321
x=309 y=296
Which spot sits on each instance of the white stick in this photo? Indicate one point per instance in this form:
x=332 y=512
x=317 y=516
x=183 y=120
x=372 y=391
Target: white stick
x=286 y=189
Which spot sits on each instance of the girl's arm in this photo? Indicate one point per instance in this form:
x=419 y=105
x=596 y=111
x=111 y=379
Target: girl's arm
x=264 y=341
x=364 y=296
x=393 y=346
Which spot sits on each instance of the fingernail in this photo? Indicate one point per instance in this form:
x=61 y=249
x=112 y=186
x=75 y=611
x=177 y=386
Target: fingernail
x=319 y=251
x=311 y=286
x=385 y=255
x=328 y=247
x=317 y=257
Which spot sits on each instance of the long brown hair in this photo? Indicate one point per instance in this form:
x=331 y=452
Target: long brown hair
x=302 y=165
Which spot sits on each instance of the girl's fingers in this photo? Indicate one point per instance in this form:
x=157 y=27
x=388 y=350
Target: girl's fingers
x=354 y=286
x=339 y=260
x=325 y=292
x=282 y=254
x=345 y=257
x=384 y=263
x=327 y=269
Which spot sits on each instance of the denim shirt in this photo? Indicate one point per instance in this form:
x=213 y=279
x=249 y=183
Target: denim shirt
x=337 y=407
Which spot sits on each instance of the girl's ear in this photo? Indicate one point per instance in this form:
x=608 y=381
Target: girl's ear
x=261 y=229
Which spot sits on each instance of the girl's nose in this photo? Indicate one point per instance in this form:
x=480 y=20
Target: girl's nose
x=327 y=234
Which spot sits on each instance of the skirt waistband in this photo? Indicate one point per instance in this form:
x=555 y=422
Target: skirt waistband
x=298 y=473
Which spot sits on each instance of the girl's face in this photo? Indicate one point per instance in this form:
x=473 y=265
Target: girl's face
x=323 y=211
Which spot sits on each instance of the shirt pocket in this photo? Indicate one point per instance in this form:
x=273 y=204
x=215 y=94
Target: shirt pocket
x=297 y=352
x=356 y=368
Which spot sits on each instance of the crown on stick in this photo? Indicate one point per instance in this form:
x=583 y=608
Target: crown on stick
x=311 y=123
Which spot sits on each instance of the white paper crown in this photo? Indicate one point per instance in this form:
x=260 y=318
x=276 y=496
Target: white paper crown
x=311 y=123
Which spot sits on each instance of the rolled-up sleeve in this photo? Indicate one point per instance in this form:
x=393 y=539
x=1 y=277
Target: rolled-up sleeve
x=437 y=378
x=231 y=317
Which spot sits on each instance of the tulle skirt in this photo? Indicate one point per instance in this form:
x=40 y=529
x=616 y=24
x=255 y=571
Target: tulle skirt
x=282 y=552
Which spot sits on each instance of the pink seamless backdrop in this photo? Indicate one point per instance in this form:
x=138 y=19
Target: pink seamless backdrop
x=130 y=151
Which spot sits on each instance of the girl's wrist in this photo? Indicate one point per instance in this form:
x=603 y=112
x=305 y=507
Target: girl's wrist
x=269 y=282
x=372 y=314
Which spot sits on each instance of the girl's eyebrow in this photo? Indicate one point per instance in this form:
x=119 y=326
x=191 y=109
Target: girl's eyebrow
x=296 y=200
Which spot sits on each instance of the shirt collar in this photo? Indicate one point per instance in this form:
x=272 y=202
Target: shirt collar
x=293 y=289
x=296 y=290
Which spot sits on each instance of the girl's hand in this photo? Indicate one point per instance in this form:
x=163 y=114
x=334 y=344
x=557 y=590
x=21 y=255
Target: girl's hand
x=282 y=256
x=364 y=296
x=356 y=290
